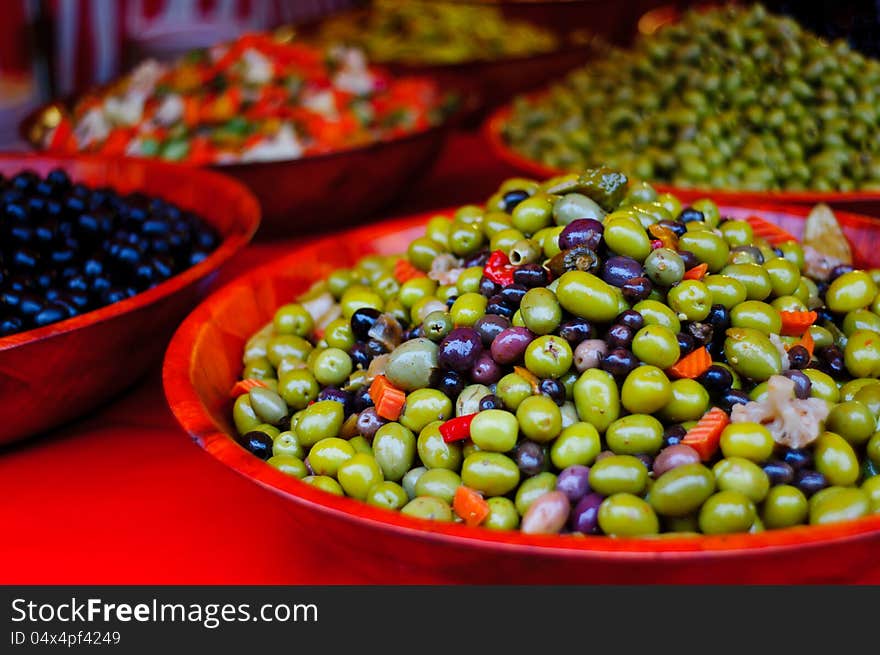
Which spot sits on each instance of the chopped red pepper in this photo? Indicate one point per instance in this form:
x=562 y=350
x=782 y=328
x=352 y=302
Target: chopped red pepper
x=498 y=269
x=457 y=429
x=244 y=386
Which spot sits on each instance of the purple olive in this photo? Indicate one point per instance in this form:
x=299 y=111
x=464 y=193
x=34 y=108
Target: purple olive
x=529 y=458
x=619 y=362
x=576 y=330
x=637 y=288
x=574 y=482
x=368 y=422
x=618 y=270
x=585 y=515
x=510 y=345
x=619 y=336
x=486 y=370
x=674 y=456
x=547 y=514
x=490 y=326
x=530 y=275
x=460 y=349
x=581 y=232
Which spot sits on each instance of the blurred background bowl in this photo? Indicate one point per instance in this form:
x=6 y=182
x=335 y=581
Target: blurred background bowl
x=203 y=361
x=860 y=202
x=53 y=374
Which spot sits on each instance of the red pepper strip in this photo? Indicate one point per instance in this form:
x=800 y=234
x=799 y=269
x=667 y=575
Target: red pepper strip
x=498 y=269
x=62 y=135
x=768 y=231
x=457 y=429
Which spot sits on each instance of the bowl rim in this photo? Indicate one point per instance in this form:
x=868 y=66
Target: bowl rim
x=246 y=226
x=194 y=418
x=492 y=127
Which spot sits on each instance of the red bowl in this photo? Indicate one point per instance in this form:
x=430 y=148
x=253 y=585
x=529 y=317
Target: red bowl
x=204 y=360
x=53 y=374
x=320 y=192
x=865 y=202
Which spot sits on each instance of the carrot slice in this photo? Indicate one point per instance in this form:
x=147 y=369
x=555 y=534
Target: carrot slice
x=243 y=386
x=697 y=272
x=807 y=342
x=404 y=271
x=705 y=436
x=794 y=324
x=692 y=365
x=387 y=398
x=470 y=506
x=768 y=231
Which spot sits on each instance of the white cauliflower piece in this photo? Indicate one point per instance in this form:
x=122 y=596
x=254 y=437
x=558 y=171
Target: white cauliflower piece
x=92 y=128
x=793 y=422
x=170 y=111
x=445 y=269
x=257 y=67
x=321 y=102
x=284 y=145
x=353 y=75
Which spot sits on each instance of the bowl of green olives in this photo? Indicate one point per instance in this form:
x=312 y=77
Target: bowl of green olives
x=724 y=100
x=580 y=380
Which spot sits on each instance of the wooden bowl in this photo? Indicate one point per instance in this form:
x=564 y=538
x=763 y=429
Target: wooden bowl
x=53 y=374
x=861 y=202
x=204 y=360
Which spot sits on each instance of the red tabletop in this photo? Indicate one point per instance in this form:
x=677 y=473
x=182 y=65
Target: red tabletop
x=124 y=497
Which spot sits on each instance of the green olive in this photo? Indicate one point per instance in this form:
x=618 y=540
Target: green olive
x=532 y=488
x=539 y=419
x=853 y=421
x=596 y=398
x=293 y=319
x=656 y=345
x=532 y=214
x=784 y=276
x=548 y=356
x=627 y=515
x=751 y=441
x=286 y=444
x=751 y=354
x=318 y=421
x=328 y=454
x=838 y=503
x=627 y=237
x=850 y=291
x=860 y=319
x=438 y=483
x=707 y=246
x=511 y=390
x=691 y=300
x=388 y=495
x=664 y=267
x=289 y=464
x=540 y=310
x=410 y=365
x=822 y=385
x=682 y=490
x=492 y=474
x=424 y=406
x=753 y=277
x=495 y=430
x=324 y=483
x=394 y=449
x=427 y=507
x=862 y=354
x=286 y=345
x=579 y=443
x=726 y=512
x=836 y=459
x=358 y=474
x=688 y=402
x=742 y=475
x=645 y=390
x=587 y=296
x=468 y=308
x=656 y=313
x=634 y=435
x=618 y=474
x=502 y=514
x=784 y=506
x=434 y=451
x=758 y=316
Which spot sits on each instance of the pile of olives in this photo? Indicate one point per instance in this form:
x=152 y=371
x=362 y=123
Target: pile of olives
x=419 y=32
x=729 y=98
x=535 y=345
